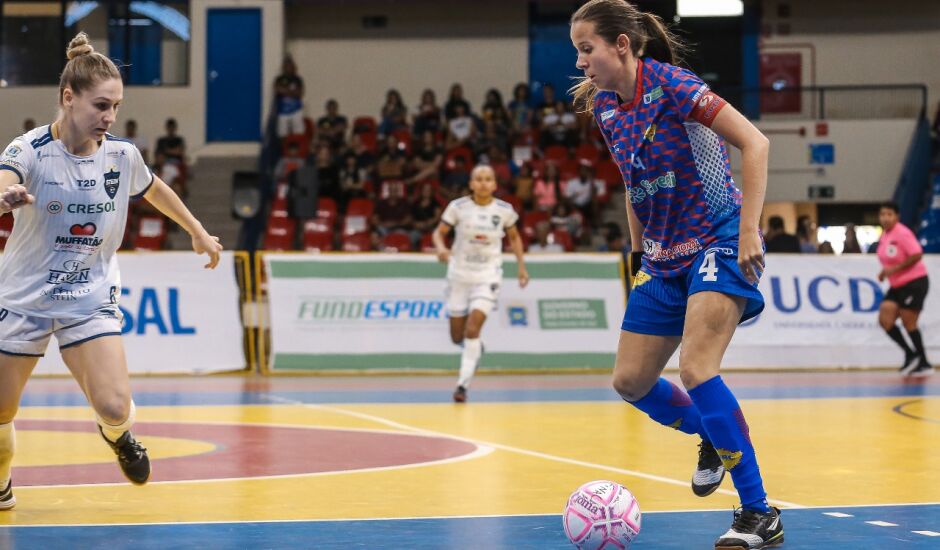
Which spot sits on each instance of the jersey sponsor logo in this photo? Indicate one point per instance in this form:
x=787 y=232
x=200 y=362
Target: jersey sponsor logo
x=655 y=94
x=56 y=183
x=59 y=294
x=91 y=208
x=83 y=229
x=83 y=162
x=648 y=188
x=606 y=115
x=54 y=207
x=494 y=219
x=86 y=185
x=650 y=133
x=698 y=93
x=72 y=274
x=112 y=180
x=12 y=151
x=656 y=253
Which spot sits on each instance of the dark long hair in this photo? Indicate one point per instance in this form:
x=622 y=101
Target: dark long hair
x=647 y=33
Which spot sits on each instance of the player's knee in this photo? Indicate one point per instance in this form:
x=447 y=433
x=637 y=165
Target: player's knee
x=115 y=409
x=629 y=388
x=456 y=338
x=885 y=323
x=472 y=332
x=910 y=324
x=7 y=413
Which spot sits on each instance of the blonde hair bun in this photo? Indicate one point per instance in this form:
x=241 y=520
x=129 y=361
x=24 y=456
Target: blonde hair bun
x=79 y=46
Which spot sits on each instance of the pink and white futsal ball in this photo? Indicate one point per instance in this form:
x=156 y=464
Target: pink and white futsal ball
x=602 y=515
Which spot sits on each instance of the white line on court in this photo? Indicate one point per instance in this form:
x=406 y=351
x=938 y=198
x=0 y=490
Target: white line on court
x=508 y=448
x=882 y=523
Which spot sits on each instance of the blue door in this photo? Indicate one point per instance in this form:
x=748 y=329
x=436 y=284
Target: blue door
x=233 y=75
x=551 y=58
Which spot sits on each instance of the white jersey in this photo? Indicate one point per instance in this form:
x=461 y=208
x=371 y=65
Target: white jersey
x=477 y=252
x=60 y=260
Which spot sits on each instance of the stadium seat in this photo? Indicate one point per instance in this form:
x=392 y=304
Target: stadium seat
x=558 y=153
x=364 y=124
x=563 y=238
x=6 y=227
x=151 y=233
x=357 y=217
x=280 y=233
x=461 y=151
x=607 y=170
x=318 y=241
x=515 y=201
x=587 y=151
x=357 y=242
x=530 y=219
x=396 y=242
x=300 y=140
x=427 y=243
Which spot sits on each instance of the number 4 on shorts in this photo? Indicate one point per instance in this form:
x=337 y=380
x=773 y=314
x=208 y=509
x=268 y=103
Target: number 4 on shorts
x=709 y=267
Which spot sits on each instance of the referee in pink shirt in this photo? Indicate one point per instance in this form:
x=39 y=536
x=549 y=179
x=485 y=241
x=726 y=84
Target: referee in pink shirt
x=900 y=256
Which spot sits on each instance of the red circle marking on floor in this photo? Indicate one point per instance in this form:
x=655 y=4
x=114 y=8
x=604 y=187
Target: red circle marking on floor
x=245 y=450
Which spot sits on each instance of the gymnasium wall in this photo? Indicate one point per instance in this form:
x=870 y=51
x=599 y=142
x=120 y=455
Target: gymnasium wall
x=860 y=42
x=426 y=44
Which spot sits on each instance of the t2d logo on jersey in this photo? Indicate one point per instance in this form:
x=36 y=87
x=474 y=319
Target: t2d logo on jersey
x=86 y=185
x=112 y=180
x=73 y=273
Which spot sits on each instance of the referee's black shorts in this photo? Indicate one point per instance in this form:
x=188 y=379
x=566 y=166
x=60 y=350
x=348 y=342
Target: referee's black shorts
x=911 y=295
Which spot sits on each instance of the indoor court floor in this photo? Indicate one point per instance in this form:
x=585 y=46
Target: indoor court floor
x=243 y=461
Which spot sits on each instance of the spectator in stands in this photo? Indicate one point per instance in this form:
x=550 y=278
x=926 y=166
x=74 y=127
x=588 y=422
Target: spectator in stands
x=777 y=239
x=130 y=134
x=392 y=161
x=428 y=115
x=567 y=219
x=456 y=181
x=494 y=110
x=461 y=128
x=542 y=244
x=288 y=163
x=172 y=146
x=392 y=213
x=520 y=112
x=546 y=106
x=170 y=173
x=547 y=188
x=806 y=232
x=495 y=157
x=425 y=213
x=559 y=126
x=394 y=113
x=428 y=159
x=522 y=185
x=332 y=126
x=327 y=172
x=353 y=181
x=901 y=257
x=613 y=240
x=365 y=159
x=584 y=189
x=825 y=247
x=851 y=245
x=453 y=100
x=288 y=98
x=29 y=124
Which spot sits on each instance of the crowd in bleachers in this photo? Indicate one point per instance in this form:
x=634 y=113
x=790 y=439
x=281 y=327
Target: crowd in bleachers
x=382 y=181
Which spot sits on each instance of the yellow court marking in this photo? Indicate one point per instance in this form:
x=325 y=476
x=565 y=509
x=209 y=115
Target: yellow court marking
x=811 y=451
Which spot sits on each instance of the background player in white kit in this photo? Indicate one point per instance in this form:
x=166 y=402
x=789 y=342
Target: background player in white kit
x=475 y=265
x=69 y=184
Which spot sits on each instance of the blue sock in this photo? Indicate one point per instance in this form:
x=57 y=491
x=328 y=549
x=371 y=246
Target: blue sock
x=670 y=406
x=725 y=424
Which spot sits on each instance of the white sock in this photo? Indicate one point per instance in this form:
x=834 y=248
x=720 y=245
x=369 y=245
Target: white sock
x=114 y=432
x=7 y=447
x=472 y=350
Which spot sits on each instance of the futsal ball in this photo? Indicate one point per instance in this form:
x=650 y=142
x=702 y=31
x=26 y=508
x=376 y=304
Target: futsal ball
x=602 y=515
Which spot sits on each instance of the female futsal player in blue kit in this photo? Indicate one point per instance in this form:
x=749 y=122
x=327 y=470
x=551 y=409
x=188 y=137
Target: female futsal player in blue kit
x=702 y=254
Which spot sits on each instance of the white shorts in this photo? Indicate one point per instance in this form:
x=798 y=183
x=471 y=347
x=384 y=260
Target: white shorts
x=291 y=124
x=28 y=336
x=465 y=297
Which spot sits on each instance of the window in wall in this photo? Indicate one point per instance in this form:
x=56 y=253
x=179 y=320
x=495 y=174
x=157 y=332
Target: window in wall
x=148 y=40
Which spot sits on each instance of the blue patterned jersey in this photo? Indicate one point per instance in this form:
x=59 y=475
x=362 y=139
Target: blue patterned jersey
x=675 y=168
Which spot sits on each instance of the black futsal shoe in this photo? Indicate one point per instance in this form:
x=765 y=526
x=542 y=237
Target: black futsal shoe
x=923 y=369
x=751 y=530
x=460 y=394
x=132 y=457
x=709 y=472
x=911 y=361
x=7 y=500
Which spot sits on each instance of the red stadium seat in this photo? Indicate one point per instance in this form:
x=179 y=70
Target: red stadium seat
x=515 y=201
x=280 y=233
x=300 y=140
x=587 y=151
x=318 y=241
x=403 y=135
x=427 y=243
x=461 y=151
x=357 y=242
x=530 y=219
x=357 y=217
x=364 y=124
x=557 y=153
x=607 y=170
x=563 y=238
x=151 y=233
x=396 y=242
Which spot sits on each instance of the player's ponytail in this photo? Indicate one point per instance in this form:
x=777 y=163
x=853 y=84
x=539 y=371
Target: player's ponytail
x=647 y=33
x=85 y=68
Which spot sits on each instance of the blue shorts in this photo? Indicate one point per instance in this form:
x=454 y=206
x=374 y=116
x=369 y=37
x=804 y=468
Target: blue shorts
x=657 y=305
